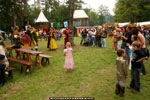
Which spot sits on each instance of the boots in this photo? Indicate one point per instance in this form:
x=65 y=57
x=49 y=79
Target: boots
x=117 y=91
x=122 y=91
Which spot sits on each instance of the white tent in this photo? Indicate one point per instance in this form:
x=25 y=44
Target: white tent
x=41 y=18
x=123 y=24
x=143 y=23
x=79 y=14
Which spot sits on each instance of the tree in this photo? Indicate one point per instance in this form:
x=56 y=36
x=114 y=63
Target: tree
x=132 y=10
x=12 y=13
x=103 y=12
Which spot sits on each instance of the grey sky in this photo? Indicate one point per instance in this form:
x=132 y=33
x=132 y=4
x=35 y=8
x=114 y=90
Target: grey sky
x=94 y=4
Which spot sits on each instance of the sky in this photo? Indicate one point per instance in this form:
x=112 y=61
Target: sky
x=94 y=4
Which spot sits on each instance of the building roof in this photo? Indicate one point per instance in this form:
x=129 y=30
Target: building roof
x=41 y=18
x=79 y=14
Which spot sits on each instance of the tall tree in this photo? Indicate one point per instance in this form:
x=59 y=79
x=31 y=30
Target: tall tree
x=132 y=10
x=103 y=12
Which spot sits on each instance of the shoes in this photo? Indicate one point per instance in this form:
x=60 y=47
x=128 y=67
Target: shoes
x=135 y=91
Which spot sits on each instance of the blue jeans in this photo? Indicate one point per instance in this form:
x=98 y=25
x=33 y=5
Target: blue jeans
x=12 y=39
x=103 y=42
x=127 y=50
x=83 y=39
x=93 y=40
x=135 y=79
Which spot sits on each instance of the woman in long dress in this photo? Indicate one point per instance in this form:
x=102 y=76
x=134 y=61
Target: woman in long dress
x=51 y=40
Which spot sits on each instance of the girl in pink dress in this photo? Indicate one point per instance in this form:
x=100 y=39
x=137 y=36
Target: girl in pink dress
x=69 y=64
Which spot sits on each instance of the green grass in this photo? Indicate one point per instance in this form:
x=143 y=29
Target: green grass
x=94 y=75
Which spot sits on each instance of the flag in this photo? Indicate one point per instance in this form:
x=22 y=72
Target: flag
x=52 y=24
x=58 y=25
x=65 y=24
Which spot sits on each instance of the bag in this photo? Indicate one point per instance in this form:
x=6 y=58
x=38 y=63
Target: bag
x=2 y=57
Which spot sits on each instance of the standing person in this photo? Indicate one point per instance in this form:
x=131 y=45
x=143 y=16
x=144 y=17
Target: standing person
x=93 y=33
x=1 y=40
x=127 y=39
x=119 y=39
x=122 y=74
x=3 y=65
x=147 y=37
x=11 y=35
x=136 y=66
x=84 y=35
x=98 y=37
x=139 y=37
x=69 y=63
x=103 y=39
x=51 y=40
x=34 y=40
x=66 y=32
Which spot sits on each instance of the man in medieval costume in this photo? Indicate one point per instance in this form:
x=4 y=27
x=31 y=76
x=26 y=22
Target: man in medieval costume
x=34 y=39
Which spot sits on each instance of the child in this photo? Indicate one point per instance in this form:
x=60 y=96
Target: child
x=69 y=59
x=121 y=64
x=136 y=66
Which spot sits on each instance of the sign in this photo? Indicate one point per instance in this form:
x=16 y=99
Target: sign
x=52 y=24
x=65 y=24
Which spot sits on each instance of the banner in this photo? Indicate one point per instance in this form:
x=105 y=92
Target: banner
x=65 y=24
x=34 y=20
x=52 y=24
x=58 y=25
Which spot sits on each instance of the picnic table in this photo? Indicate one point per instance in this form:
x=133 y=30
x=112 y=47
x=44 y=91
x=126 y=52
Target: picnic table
x=21 y=51
x=29 y=53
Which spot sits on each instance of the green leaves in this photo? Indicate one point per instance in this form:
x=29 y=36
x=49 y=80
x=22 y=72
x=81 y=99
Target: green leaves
x=132 y=10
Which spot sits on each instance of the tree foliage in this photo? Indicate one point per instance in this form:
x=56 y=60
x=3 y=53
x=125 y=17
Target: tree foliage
x=132 y=10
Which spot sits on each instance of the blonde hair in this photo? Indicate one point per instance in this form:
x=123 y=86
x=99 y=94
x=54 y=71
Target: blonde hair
x=68 y=44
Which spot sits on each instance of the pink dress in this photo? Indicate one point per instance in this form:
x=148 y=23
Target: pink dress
x=69 y=59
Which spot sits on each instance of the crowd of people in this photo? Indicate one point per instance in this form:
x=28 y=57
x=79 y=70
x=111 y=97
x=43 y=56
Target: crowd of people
x=130 y=44
x=29 y=39
x=94 y=37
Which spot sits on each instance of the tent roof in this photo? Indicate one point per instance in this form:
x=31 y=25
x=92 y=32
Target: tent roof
x=41 y=18
x=143 y=23
x=123 y=24
x=79 y=14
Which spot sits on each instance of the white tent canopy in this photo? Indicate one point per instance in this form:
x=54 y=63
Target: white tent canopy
x=79 y=14
x=143 y=23
x=123 y=24
x=41 y=18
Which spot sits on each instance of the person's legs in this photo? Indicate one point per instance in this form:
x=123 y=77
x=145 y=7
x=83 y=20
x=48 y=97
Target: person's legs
x=92 y=40
x=132 y=83
x=137 y=79
x=143 y=68
x=2 y=74
x=127 y=51
x=95 y=42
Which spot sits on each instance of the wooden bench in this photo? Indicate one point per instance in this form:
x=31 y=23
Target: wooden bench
x=45 y=57
x=10 y=71
x=23 y=62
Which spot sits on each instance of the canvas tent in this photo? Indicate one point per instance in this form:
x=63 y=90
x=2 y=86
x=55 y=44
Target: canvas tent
x=123 y=24
x=42 y=21
x=80 y=18
x=41 y=18
x=143 y=23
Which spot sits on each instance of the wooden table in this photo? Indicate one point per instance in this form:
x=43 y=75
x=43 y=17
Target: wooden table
x=28 y=52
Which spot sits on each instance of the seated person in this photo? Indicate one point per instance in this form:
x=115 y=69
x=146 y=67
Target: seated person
x=3 y=65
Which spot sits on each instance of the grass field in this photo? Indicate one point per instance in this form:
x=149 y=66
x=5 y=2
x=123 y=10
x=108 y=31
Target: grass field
x=93 y=76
